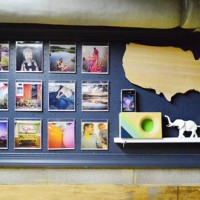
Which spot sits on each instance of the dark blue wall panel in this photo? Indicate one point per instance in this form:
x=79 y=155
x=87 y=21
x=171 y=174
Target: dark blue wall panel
x=133 y=155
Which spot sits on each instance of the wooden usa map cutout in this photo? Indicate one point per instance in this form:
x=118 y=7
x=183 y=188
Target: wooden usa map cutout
x=169 y=70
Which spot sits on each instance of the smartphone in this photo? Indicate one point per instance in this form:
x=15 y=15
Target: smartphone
x=128 y=100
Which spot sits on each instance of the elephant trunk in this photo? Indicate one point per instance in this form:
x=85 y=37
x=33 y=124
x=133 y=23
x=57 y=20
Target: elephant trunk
x=170 y=124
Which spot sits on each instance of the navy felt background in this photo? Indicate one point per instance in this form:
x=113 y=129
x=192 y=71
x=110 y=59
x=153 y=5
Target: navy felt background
x=133 y=155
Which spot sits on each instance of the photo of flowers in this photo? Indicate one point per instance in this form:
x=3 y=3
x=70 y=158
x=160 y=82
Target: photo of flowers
x=95 y=59
x=3 y=133
x=61 y=95
x=4 y=57
x=94 y=135
x=3 y=95
x=62 y=58
x=29 y=56
x=95 y=96
x=27 y=133
x=28 y=95
x=61 y=134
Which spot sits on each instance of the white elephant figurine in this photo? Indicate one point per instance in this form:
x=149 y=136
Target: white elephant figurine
x=184 y=126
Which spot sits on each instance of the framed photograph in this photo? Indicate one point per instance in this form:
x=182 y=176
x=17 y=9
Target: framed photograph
x=62 y=95
x=4 y=57
x=3 y=133
x=28 y=95
x=94 y=135
x=95 y=96
x=62 y=58
x=27 y=133
x=95 y=59
x=61 y=134
x=29 y=56
x=3 y=95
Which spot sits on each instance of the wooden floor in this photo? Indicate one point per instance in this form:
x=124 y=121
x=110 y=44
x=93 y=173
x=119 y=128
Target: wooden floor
x=96 y=192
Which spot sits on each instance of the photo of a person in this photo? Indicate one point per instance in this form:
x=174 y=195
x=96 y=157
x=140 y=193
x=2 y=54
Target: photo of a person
x=95 y=59
x=62 y=96
x=4 y=57
x=61 y=66
x=29 y=64
x=62 y=58
x=29 y=56
x=93 y=137
x=103 y=133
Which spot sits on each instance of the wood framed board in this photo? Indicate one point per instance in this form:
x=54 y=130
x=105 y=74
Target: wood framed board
x=111 y=82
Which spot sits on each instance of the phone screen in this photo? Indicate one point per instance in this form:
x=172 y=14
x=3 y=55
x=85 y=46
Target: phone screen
x=128 y=100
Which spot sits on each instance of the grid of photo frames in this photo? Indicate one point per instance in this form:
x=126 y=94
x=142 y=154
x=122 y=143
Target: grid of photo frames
x=61 y=95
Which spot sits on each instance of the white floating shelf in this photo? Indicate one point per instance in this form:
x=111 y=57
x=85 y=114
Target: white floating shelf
x=163 y=140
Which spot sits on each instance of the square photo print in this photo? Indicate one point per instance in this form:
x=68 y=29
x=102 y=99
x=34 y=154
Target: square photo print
x=28 y=95
x=27 y=133
x=61 y=134
x=61 y=95
x=3 y=133
x=62 y=58
x=95 y=96
x=29 y=56
x=3 y=95
x=95 y=59
x=4 y=57
x=94 y=135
